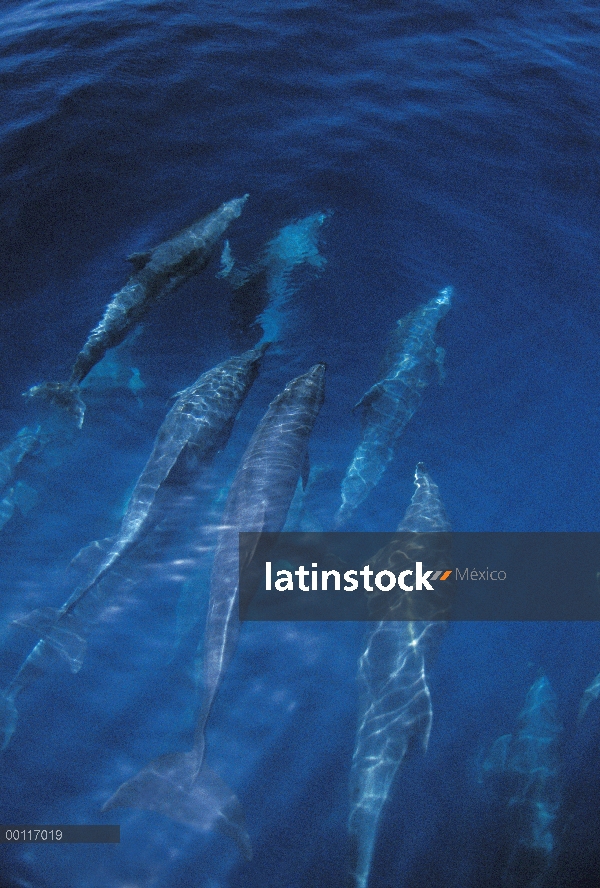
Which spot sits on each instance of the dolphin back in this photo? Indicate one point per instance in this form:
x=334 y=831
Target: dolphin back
x=389 y=405
x=395 y=710
x=259 y=500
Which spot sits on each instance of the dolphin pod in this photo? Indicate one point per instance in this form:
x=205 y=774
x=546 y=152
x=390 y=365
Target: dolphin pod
x=197 y=426
x=157 y=273
x=180 y=785
x=391 y=402
x=396 y=710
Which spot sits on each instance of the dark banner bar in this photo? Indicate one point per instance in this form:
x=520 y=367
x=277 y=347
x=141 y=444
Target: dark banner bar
x=43 y=835
x=420 y=576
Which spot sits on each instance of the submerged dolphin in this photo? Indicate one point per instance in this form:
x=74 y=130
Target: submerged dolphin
x=525 y=767
x=13 y=454
x=17 y=494
x=196 y=427
x=157 y=273
x=181 y=785
x=396 y=708
x=391 y=402
x=294 y=245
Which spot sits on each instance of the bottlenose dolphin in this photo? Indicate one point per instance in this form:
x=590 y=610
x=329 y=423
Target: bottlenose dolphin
x=17 y=494
x=12 y=455
x=157 y=272
x=20 y=496
x=525 y=767
x=389 y=404
x=396 y=710
x=196 y=427
x=294 y=245
x=181 y=785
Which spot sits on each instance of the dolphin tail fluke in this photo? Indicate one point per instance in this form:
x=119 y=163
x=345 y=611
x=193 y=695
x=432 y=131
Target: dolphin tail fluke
x=8 y=718
x=185 y=790
x=64 y=394
x=52 y=626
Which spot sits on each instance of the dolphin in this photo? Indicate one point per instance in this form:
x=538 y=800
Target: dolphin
x=391 y=402
x=197 y=426
x=26 y=440
x=525 y=769
x=157 y=272
x=396 y=710
x=19 y=494
x=294 y=245
x=180 y=784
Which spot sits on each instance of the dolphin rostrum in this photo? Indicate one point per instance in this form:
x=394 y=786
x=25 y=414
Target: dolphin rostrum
x=396 y=708
x=156 y=273
x=196 y=427
x=391 y=402
x=181 y=785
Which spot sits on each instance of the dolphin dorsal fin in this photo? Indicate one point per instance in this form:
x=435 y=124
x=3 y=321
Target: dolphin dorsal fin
x=139 y=260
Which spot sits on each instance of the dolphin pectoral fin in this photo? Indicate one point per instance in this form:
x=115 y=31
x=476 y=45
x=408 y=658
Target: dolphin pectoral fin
x=51 y=626
x=8 y=719
x=175 y=785
x=369 y=396
x=63 y=394
x=139 y=260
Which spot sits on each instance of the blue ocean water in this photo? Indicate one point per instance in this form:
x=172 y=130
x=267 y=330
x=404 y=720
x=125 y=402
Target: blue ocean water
x=449 y=143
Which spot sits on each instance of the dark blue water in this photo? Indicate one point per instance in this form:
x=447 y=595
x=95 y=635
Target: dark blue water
x=454 y=143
